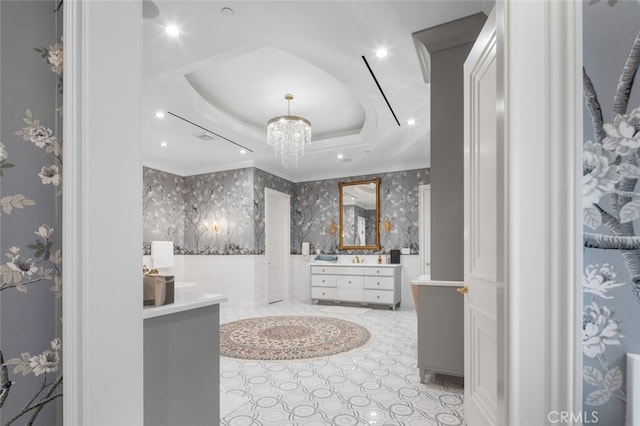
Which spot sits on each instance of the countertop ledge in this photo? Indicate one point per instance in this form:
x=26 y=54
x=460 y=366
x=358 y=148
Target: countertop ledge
x=183 y=302
x=426 y=280
x=366 y=265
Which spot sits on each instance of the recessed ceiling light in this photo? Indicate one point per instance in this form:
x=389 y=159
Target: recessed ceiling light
x=411 y=121
x=242 y=151
x=164 y=144
x=159 y=114
x=381 y=53
x=340 y=156
x=227 y=11
x=172 y=30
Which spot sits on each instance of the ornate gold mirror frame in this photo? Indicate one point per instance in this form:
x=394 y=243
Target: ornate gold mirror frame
x=360 y=215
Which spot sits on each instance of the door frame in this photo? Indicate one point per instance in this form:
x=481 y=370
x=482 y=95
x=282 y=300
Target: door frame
x=540 y=81
x=286 y=247
x=540 y=46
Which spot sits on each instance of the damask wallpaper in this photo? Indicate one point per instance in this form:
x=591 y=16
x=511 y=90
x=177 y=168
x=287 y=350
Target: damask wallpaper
x=31 y=213
x=223 y=212
x=611 y=204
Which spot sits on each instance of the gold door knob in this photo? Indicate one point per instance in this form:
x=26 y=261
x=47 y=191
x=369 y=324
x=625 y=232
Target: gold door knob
x=463 y=290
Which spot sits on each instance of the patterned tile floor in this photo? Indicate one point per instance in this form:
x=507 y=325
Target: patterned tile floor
x=376 y=384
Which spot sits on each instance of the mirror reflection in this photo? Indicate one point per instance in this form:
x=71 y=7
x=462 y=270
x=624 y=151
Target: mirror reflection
x=360 y=215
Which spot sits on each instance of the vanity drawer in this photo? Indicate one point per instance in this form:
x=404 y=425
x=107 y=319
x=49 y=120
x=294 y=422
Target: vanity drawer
x=349 y=295
x=323 y=293
x=350 y=270
x=350 y=282
x=379 y=283
x=321 y=269
x=387 y=272
x=378 y=296
x=323 y=280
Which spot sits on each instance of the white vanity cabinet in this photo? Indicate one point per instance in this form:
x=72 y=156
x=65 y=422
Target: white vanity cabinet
x=356 y=283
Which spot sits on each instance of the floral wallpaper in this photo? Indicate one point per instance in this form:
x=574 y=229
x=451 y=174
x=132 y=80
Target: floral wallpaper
x=611 y=204
x=30 y=212
x=163 y=207
x=315 y=208
x=223 y=212
x=213 y=213
x=219 y=213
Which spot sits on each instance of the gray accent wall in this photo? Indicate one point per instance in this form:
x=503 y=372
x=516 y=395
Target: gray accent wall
x=611 y=277
x=212 y=213
x=235 y=201
x=315 y=206
x=30 y=213
x=448 y=45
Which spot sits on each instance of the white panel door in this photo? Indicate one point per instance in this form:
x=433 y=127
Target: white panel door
x=483 y=194
x=277 y=220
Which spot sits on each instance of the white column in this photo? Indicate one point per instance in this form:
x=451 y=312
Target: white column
x=102 y=214
x=541 y=47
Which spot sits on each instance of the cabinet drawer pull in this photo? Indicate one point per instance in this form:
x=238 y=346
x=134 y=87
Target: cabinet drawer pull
x=322 y=269
x=378 y=283
x=377 y=271
x=378 y=297
x=323 y=293
x=322 y=280
x=349 y=281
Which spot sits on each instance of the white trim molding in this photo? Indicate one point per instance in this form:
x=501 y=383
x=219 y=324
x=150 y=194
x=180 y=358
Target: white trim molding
x=102 y=214
x=540 y=47
x=71 y=216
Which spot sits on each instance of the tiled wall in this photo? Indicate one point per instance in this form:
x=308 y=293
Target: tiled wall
x=611 y=201
x=234 y=201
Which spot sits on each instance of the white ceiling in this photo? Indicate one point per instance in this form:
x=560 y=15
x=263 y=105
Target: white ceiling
x=229 y=75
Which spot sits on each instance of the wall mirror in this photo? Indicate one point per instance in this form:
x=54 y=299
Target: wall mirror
x=360 y=215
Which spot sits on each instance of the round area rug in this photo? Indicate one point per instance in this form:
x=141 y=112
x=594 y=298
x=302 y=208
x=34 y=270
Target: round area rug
x=289 y=337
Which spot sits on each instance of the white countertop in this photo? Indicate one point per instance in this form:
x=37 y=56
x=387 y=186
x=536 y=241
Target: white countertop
x=426 y=280
x=371 y=265
x=183 y=302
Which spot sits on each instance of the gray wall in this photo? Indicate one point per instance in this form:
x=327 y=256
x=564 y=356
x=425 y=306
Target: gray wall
x=448 y=44
x=184 y=210
x=29 y=309
x=235 y=199
x=316 y=205
x=611 y=311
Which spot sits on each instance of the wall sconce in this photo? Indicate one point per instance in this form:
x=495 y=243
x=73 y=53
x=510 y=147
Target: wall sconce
x=387 y=225
x=214 y=228
x=333 y=228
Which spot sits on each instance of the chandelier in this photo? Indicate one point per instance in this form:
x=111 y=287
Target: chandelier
x=288 y=135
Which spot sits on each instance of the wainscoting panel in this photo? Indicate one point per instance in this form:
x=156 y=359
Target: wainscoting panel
x=231 y=276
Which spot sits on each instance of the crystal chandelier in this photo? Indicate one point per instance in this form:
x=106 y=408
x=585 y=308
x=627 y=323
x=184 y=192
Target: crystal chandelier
x=288 y=135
